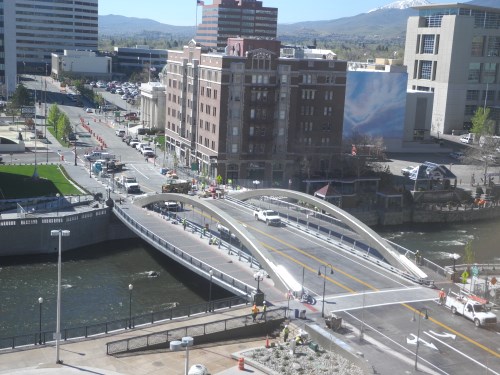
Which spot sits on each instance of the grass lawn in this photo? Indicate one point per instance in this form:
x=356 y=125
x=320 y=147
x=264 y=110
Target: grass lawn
x=16 y=182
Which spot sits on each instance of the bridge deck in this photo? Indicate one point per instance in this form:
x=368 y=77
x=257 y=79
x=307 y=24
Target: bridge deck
x=199 y=248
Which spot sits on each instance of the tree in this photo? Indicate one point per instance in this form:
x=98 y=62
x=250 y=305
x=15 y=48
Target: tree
x=53 y=116
x=21 y=96
x=481 y=124
x=63 y=126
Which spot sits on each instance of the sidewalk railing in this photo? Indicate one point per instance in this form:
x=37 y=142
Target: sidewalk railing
x=145 y=342
x=41 y=338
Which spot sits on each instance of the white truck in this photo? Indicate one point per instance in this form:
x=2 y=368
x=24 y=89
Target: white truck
x=129 y=183
x=472 y=308
x=99 y=155
x=270 y=217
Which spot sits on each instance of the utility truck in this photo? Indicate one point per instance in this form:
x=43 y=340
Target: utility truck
x=269 y=217
x=472 y=308
x=176 y=186
x=129 y=183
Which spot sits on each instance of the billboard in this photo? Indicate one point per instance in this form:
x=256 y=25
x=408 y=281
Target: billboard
x=375 y=104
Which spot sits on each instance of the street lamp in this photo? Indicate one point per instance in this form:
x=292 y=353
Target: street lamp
x=58 y=196
x=130 y=287
x=426 y=316
x=186 y=342
x=455 y=257
x=59 y=233
x=258 y=276
x=211 y=273
x=40 y=301
x=324 y=285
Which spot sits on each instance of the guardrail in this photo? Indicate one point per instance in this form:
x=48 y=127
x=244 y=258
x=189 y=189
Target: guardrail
x=343 y=236
x=41 y=338
x=182 y=256
x=158 y=338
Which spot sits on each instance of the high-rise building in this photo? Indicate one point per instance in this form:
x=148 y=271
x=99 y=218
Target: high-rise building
x=453 y=50
x=225 y=19
x=251 y=115
x=34 y=29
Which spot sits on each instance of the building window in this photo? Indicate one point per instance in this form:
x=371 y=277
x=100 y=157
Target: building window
x=213 y=145
x=282 y=115
x=470 y=110
x=235 y=130
x=477 y=46
x=472 y=95
x=425 y=70
x=489 y=95
x=428 y=43
x=251 y=130
x=474 y=73
x=489 y=73
x=493 y=48
x=215 y=94
x=234 y=148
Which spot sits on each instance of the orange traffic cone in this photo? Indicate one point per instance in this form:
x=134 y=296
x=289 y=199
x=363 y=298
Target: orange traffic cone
x=267 y=341
x=241 y=363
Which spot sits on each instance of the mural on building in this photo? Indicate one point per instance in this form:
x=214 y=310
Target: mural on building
x=375 y=104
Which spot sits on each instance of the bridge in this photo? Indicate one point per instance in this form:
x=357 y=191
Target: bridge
x=235 y=269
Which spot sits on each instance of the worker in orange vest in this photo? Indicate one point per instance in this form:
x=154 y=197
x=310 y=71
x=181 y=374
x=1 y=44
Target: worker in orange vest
x=255 y=311
x=442 y=296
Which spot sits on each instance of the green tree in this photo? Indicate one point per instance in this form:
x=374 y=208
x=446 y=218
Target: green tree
x=63 y=126
x=481 y=124
x=21 y=96
x=53 y=116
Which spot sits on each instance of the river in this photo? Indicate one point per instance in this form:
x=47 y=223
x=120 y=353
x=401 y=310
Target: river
x=95 y=279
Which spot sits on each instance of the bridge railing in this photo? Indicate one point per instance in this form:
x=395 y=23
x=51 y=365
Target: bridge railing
x=41 y=338
x=158 y=338
x=182 y=256
x=340 y=233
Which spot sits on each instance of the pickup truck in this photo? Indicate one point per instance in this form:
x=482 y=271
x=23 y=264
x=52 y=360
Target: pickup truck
x=270 y=217
x=97 y=155
x=129 y=183
x=472 y=308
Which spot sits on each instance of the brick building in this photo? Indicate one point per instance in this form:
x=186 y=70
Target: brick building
x=248 y=114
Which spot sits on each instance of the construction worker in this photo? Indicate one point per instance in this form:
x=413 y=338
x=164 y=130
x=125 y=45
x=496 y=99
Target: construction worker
x=264 y=310
x=255 y=311
x=299 y=340
x=418 y=257
x=442 y=296
x=286 y=332
x=184 y=223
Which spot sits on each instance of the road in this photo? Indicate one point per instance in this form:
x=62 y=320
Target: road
x=359 y=292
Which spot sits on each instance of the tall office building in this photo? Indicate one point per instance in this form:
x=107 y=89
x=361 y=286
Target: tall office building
x=453 y=50
x=225 y=19
x=251 y=115
x=34 y=29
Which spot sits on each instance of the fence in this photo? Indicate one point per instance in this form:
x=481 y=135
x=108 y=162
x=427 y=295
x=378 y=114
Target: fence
x=163 y=338
x=40 y=338
x=182 y=256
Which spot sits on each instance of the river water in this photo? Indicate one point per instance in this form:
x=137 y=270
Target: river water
x=95 y=279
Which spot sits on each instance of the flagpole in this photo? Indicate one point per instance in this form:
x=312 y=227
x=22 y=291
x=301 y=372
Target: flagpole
x=196 y=24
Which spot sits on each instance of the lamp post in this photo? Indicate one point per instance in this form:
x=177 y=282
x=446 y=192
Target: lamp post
x=211 y=273
x=59 y=233
x=324 y=285
x=40 y=301
x=75 y=144
x=258 y=276
x=130 y=287
x=426 y=316
x=58 y=196
x=455 y=257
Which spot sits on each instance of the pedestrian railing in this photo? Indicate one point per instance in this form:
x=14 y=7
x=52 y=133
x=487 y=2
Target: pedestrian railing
x=145 y=342
x=43 y=337
x=182 y=256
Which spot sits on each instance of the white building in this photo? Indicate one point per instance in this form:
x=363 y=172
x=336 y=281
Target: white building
x=34 y=29
x=153 y=99
x=453 y=51
x=81 y=63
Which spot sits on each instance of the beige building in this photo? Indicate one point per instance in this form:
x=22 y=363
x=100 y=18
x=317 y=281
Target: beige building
x=453 y=50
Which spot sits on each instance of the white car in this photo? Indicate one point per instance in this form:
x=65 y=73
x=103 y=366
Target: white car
x=145 y=149
x=407 y=170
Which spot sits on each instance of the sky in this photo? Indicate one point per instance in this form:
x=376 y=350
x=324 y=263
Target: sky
x=183 y=12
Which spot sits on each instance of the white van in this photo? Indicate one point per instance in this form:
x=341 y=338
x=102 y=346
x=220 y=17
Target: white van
x=97 y=155
x=468 y=138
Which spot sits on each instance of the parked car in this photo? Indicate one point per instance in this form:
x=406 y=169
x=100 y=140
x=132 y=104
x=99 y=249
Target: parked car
x=149 y=153
x=89 y=110
x=407 y=170
x=458 y=155
x=134 y=143
x=147 y=148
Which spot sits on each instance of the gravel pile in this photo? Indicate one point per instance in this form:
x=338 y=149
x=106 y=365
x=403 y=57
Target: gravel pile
x=305 y=361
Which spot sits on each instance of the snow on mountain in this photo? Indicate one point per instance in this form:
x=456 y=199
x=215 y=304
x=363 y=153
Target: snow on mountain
x=402 y=4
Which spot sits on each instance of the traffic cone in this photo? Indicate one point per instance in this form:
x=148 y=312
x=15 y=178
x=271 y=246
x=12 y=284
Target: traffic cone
x=267 y=341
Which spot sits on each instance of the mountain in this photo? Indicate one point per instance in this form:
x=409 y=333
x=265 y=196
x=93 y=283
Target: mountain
x=402 y=4
x=120 y=25
x=387 y=22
